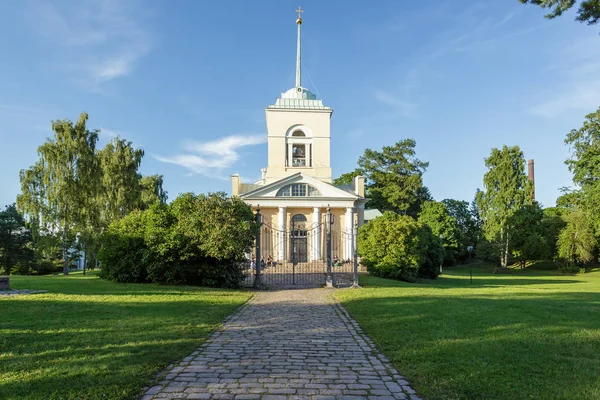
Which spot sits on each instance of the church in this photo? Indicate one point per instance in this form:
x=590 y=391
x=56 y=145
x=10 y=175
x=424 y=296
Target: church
x=296 y=194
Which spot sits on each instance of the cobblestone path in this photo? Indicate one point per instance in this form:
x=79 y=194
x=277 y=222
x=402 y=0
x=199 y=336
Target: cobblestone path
x=296 y=344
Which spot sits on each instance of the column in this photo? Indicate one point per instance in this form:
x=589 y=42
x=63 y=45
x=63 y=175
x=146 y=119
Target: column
x=316 y=234
x=290 y=160
x=348 y=235
x=281 y=239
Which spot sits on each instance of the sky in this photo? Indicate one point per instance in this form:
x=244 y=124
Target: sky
x=188 y=81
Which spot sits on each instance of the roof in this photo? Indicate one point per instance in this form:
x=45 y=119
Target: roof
x=346 y=188
x=248 y=187
x=299 y=98
x=372 y=214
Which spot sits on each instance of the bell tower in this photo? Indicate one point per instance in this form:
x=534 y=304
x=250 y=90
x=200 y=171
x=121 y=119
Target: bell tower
x=298 y=130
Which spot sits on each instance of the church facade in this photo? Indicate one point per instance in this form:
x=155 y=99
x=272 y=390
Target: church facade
x=296 y=194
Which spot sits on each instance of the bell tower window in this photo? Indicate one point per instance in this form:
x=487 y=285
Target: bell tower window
x=299 y=148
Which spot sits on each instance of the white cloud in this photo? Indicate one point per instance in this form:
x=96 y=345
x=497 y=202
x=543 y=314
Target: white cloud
x=211 y=158
x=404 y=107
x=97 y=40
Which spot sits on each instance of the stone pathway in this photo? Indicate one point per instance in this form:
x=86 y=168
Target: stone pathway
x=296 y=344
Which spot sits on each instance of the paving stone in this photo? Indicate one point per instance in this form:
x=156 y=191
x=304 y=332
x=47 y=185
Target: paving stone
x=287 y=344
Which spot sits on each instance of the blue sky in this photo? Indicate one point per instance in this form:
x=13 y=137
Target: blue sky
x=189 y=80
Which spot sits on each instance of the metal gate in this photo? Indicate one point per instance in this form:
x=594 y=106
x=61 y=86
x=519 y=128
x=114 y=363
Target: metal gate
x=303 y=255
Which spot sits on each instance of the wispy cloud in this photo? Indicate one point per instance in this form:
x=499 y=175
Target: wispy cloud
x=97 y=40
x=211 y=158
x=576 y=69
x=403 y=107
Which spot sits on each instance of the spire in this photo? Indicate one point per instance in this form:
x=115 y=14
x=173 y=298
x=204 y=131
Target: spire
x=299 y=23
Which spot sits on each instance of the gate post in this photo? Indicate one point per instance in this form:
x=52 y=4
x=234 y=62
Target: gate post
x=355 y=255
x=258 y=220
x=329 y=280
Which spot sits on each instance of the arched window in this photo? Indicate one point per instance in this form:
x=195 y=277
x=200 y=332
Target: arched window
x=298 y=147
x=298 y=190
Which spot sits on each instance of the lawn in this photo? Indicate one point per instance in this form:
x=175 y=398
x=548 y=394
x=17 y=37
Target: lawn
x=521 y=335
x=92 y=339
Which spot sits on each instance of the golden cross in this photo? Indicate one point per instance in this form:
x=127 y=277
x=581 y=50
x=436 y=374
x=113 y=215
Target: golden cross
x=299 y=10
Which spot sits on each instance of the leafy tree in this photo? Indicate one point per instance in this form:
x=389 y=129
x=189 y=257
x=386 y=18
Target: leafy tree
x=398 y=247
x=15 y=242
x=589 y=10
x=57 y=191
x=121 y=189
x=585 y=165
x=551 y=225
x=467 y=222
x=443 y=226
x=197 y=239
x=348 y=177
x=528 y=240
x=152 y=191
x=577 y=242
x=394 y=178
x=507 y=189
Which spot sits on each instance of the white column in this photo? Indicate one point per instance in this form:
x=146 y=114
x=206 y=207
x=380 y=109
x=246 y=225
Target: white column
x=281 y=239
x=290 y=159
x=316 y=234
x=348 y=237
x=307 y=160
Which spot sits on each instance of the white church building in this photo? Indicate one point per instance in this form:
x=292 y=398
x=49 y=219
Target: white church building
x=296 y=188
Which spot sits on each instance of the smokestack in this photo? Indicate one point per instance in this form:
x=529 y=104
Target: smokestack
x=264 y=174
x=531 y=176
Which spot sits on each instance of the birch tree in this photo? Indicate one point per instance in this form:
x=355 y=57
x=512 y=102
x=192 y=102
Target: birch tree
x=507 y=189
x=59 y=189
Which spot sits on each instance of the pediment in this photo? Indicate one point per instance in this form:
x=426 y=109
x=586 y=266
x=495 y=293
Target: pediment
x=325 y=190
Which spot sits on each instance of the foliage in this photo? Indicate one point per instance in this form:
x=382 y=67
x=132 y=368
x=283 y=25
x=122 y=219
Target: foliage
x=468 y=223
x=576 y=242
x=551 y=225
x=589 y=10
x=522 y=334
x=197 y=240
x=15 y=243
x=152 y=191
x=396 y=246
x=110 y=349
x=57 y=191
x=528 y=236
x=443 y=226
x=433 y=253
x=394 y=178
x=507 y=189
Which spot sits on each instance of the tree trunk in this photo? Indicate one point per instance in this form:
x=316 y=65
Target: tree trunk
x=84 y=257
x=64 y=253
x=505 y=261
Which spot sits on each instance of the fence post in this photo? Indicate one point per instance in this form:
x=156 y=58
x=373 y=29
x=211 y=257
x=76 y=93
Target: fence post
x=355 y=255
x=329 y=280
x=258 y=258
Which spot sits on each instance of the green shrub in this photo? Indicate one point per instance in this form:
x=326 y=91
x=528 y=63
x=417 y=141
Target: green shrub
x=196 y=240
x=433 y=254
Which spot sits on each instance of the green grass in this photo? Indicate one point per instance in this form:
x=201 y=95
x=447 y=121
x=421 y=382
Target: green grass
x=92 y=339
x=520 y=335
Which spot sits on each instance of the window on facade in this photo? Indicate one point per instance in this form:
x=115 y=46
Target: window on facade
x=298 y=190
x=298 y=133
x=298 y=155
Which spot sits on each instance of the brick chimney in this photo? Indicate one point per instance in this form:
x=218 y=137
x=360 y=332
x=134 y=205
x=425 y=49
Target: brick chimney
x=531 y=176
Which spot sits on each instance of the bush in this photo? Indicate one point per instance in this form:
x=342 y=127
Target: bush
x=44 y=267
x=398 y=247
x=196 y=240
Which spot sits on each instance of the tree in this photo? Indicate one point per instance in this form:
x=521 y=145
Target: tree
x=58 y=190
x=348 y=177
x=507 y=189
x=394 y=178
x=589 y=10
x=528 y=240
x=577 y=242
x=152 y=191
x=15 y=242
x=551 y=225
x=467 y=222
x=585 y=165
x=443 y=226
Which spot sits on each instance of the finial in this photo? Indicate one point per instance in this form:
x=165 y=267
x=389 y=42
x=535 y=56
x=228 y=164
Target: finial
x=299 y=20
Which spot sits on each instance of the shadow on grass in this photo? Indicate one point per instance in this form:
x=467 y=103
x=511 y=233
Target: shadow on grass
x=476 y=347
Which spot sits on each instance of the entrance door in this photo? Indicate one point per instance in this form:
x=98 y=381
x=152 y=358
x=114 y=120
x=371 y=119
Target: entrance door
x=298 y=239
